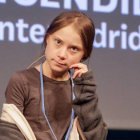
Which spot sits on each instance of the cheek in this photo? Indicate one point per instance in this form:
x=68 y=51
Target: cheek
x=74 y=60
x=48 y=49
x=47 y=52
x=50 y=52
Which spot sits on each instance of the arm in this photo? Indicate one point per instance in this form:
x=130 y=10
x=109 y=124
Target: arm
x=86 y=107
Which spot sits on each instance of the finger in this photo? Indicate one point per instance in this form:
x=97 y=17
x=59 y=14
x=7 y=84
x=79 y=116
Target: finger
x=81 y=66
x=77 y=73
x=77 y=65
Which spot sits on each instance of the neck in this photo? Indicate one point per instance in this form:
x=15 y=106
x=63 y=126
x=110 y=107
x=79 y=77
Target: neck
x=58 y=76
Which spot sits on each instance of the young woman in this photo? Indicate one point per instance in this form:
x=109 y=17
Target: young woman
x=53 y=93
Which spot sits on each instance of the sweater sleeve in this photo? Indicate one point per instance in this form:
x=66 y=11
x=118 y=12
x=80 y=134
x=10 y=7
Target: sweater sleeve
x=86 y=107
x=15 y=91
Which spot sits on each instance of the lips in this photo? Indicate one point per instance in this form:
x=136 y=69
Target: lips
x=60 y=63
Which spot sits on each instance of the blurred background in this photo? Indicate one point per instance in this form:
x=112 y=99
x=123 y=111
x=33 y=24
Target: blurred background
x=115 y=58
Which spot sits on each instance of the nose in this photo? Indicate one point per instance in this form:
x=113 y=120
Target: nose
x=62 y=53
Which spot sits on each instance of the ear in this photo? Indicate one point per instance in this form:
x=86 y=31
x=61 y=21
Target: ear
x=83 y=58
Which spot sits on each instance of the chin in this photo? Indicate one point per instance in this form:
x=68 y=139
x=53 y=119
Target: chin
x=60 y=70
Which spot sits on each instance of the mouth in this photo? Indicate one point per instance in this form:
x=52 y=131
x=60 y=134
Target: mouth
x=60 y=63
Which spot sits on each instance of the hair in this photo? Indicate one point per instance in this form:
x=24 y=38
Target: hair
x=82 y=24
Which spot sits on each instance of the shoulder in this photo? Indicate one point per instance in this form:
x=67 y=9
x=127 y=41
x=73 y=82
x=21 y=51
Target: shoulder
x=21 y=82
x=24 y=76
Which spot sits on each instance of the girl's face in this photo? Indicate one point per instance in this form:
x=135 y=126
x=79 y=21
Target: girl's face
x=64 y=48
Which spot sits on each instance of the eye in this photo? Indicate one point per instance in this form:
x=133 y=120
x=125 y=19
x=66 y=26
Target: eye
x=74 y=49
x=58 y=42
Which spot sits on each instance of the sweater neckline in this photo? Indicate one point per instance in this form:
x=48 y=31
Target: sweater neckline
x=46 y=78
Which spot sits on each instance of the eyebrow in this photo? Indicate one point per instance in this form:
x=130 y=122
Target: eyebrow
x=55 y=36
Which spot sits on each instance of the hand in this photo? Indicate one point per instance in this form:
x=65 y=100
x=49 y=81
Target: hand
x=79 y=69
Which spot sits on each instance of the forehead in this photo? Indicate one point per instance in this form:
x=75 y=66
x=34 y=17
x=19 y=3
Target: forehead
x=69 y=35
